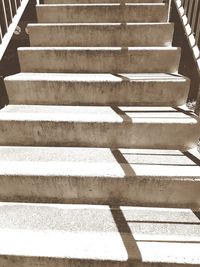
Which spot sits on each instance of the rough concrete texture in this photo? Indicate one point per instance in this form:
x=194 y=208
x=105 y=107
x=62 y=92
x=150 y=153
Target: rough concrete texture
x=82 y=235
x=101 y=34
x=97 y=89
x=100 y=175
x=139 y=127
x=83 y=117
x=100 y=59
x=107 y=12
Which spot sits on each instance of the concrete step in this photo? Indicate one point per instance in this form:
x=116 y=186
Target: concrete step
x=107 y=12
x=99 y=1
x=97 y=236
x=167 y=178
x=101 y=34
x=109 y=126
x=99 y=59
x=97 y=89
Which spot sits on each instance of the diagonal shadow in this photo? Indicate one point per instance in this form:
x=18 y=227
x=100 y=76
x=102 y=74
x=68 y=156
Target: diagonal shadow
x=173 y=74
x=121 y=113
x=192 y=158
x=124 y=78
x=197 y=214
x=126 y=234
x=124 y=164
x=186 y=112
x=3 y=94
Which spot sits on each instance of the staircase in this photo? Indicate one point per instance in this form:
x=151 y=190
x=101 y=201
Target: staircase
x=98 y=158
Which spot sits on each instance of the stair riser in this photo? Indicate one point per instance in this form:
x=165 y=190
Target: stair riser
x=109 y=13
x=97 y=93
x=24 y=261
x=165 y=192
x=99 y=61
x=152 y=35
x=136 y=135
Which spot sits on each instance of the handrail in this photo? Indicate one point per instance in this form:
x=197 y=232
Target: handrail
x=189 y=13
x=11 y=12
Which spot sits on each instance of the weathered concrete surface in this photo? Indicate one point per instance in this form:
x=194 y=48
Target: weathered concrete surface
x=74 y=235
x=101 y=34
x=99 y=236
x=97 y=89
x=99 y=59
x=107 y=12
x=100 y=175
x=109 y=126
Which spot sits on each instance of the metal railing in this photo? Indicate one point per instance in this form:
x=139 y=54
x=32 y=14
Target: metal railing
x=192 y=12
x=189 y=12
x=10 y=14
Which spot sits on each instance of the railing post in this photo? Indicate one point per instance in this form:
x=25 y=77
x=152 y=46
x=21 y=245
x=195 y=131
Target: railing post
x=168 y=4
x=3 y=19
x=197 y=107
x=189 y=15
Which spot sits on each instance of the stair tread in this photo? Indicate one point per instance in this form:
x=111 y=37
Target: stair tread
x=99 y=162
x=124 y=24
x=87 y=1
x=98 y=234
x=98 y=77
x=98 y=114
x=151 y=48
x=101 y=4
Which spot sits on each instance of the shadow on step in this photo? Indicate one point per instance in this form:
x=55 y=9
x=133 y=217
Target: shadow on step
x=197 y=213
x=148 y=229
x=192 y=158
x=3 y=94
x=147 y=76
x=130 y=114
x=123 y=162
x=96 y=234
x=126 y=234
x=128 y=158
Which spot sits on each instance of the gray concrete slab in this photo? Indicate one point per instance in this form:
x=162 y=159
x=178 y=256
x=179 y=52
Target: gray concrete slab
x=99 y=126
x=101 y=34
x=99 y=59
x=98 y=12
x=71 y=235
x=100 y=175
x=97 y=89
